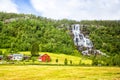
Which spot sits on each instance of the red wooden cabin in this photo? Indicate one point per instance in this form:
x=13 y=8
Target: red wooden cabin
x=44 y=58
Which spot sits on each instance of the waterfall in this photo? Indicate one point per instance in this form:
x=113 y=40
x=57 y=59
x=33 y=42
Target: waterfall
x=82 y=41
x=79 y=38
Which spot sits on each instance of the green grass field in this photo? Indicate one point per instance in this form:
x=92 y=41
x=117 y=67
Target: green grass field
x=38 y=72
x=55 y=72
x=61 y=57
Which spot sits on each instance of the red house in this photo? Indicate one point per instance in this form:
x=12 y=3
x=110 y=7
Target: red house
x=44 y=58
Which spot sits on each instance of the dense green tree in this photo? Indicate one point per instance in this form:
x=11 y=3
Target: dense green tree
x=35 y=49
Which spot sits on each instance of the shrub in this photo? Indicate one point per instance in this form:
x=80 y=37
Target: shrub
x=95 y=60
x=33 y=59
x=71 y=62
x=65 y=61
x=56 y=60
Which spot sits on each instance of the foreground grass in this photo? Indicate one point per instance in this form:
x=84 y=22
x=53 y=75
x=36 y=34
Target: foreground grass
x=37 y=72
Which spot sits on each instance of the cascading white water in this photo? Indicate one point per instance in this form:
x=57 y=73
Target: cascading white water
x=81 y=41
x=79 y=38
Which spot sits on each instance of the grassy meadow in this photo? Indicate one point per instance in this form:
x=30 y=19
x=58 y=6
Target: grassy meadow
x=57 y=72
x=38 y=72
x=61 y=57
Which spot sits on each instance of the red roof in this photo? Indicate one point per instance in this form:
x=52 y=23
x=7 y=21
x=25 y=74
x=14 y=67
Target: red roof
x=44 y=58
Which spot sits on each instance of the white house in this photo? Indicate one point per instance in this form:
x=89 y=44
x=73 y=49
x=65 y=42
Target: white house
x=17 y=57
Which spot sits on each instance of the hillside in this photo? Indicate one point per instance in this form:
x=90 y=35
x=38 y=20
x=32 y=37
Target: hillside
x=19 y=31
x=105 y=35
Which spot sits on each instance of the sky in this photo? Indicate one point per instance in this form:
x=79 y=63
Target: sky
x=69 y=9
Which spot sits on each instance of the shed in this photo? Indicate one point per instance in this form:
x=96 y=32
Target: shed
x=44 y=58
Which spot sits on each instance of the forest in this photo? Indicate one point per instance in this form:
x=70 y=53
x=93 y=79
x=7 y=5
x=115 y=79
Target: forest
x=19 y=31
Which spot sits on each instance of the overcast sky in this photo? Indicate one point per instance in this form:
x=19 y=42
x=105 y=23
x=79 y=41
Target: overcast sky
x=70 y=9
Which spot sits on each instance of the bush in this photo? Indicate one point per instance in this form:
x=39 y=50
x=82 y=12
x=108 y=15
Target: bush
x=95 y=61
x=115 y=61
x=65 y=61
x=56 y=60
x=33 y=59
x=71 y=62
x=76 y=53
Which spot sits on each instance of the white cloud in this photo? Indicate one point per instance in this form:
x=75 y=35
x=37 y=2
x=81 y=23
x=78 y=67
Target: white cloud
x=78 y=9
x=8 y=6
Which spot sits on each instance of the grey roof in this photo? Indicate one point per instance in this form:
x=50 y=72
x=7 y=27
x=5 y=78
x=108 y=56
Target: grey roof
x=1 y=55
x=18 y=55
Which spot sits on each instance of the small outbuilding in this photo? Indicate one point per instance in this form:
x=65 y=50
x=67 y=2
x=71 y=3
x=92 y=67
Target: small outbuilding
x=44 y=58
x=17 y=57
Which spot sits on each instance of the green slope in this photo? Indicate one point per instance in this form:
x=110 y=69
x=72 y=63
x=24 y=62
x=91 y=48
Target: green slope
x=61 y=57
x=19 y=31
